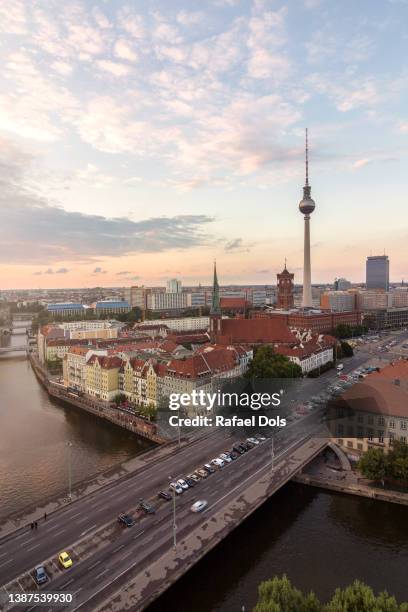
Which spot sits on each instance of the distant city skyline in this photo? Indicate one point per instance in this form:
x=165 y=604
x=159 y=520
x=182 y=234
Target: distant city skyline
x=138 y=143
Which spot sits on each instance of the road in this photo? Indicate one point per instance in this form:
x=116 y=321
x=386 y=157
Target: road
x=129 y=549
x=135 y=548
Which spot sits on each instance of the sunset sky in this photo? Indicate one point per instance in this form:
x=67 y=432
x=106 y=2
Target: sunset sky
x=141 y=140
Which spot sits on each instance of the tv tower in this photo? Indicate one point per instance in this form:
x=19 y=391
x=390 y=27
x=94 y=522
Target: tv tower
x=306 y=207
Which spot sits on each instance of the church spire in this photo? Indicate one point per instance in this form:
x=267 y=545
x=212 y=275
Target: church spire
x=215 y=305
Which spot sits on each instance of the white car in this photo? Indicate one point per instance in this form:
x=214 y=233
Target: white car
x=225 y=457
x=253 y=440
x=199 y=505
x=175 y=487
x=218 y=462
x=182 y=483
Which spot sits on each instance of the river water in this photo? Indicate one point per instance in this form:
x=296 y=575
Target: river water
x=319 y=539
x=34 y=436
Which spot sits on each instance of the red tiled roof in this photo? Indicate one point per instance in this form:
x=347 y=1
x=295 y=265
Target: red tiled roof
x=107 y=363
x=254 y=331
x=233 y=302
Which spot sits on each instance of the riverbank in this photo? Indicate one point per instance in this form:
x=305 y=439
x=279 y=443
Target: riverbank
x=320 y=474
x=97 y=408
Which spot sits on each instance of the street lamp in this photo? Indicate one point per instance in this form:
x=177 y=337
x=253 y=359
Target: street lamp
x=272 y=456
x=174 y=518
x=69 y=445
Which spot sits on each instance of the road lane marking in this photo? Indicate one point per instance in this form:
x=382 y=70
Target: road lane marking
x=32 y=547
x=102 y=573
x=138 y=534
x=88 y=530
x=118 y=548
x=94 y=565
x=70 y=581
x=7 y=562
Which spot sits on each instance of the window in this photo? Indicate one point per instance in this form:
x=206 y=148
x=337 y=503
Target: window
x=350 y=444
x=360 y=446
x=370 y=434
x=360 y=432
x=403 y=439
x=370 y=420
x=340 y=430
x=391 y=424
x=403 y=424
x=381 y=437
x=381 y=420
x=360 y=418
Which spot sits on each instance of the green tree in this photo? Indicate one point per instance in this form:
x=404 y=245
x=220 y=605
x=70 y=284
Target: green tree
x=359 y=597
x=346 y=349
x=373 y=464
x=119 y=398
x=268 y=364
x=278 y=595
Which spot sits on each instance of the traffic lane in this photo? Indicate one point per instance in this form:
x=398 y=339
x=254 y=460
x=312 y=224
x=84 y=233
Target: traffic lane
x=58 y=532
x=153 y=532
x=58 y=539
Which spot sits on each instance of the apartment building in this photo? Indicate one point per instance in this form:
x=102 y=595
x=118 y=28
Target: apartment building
x=102 y=377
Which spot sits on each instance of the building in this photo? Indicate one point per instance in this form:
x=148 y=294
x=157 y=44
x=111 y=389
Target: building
x=179 y=324
x=74 y=366
x=111 y=307
x=338 y=301
x=372 y=413
x=311 y=352
x=318 y=321
x=66 y=309
x=306 y=207
x=173 y=286
x=102 y=377
x=389 y=318
x=138 y=380
x=285 y=289
x=168 y=301
x=341 y=284
x=136 y=297
x=378 y=272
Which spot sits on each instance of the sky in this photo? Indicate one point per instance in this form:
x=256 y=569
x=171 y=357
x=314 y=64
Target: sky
x=139 y=141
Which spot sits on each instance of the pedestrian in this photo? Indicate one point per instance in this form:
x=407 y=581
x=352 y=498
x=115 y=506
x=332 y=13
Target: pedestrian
x=35 y=524
x=32 y=525
x=45 y=516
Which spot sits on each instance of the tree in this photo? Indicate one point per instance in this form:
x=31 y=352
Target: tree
x=119 y=398
x=278 y=595
x=359 y=597
x=346 y=349
x=268 y=364
x=373 y=464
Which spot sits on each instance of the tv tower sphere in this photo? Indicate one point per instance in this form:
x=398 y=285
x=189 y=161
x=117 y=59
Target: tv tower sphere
x=307 y=205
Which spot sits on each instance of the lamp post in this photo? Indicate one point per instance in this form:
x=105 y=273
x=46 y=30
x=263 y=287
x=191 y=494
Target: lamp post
x=69 y=445
x=174 y=519
x=272 y=456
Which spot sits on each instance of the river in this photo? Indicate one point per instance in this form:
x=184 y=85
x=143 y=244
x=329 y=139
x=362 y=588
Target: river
x=34 y=436
x=319 y=539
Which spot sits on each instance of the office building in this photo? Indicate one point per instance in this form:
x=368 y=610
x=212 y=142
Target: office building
x=173 y=286
x=378 y=272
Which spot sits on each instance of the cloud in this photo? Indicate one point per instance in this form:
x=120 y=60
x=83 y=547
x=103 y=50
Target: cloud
x=124 y=273
x=236 y=246
x=62 y=271
x=99 y=270
x=51 y=271
x=124 y=50
x=360 y=163
x=262 y=271
x=116 y=68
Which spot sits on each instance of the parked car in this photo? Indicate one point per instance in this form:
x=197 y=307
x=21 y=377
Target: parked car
x=194 y=477
x=199 y=505
x=260 y=437
x=225 y=458
x=219 y=463
x=65 y=560
x=202 y=473
x=40 y=575
x=232 y=455
x=126 y=519
x=238 y=449
x=253 y=441
x=164 y=495
x=208 y=468
x=191 y=483
x=147 y=508
x=174 y=486
x=182 y=483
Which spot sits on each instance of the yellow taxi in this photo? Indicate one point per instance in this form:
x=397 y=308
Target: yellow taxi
x=65 y=560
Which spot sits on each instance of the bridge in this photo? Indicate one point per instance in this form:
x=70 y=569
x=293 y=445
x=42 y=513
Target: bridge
x=23 y=316
x=116 y=568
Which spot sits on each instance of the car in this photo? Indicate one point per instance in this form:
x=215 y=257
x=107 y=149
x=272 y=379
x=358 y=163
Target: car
x=164 y=495
x=253 y=441
x=199 y=505
x=248 y=445
x=238 y=449
x=182 y=483
x=147 y=508
x=243 y=447
x=202 y=473
x=233 y=455
x=225 y=457
x=195 y=477
x=40 y=575
x=174 y=486
x=219 y=463
x=208 y=468
x=126 y=519
x=260 y=437
x=191 y=483
x=65 y=560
